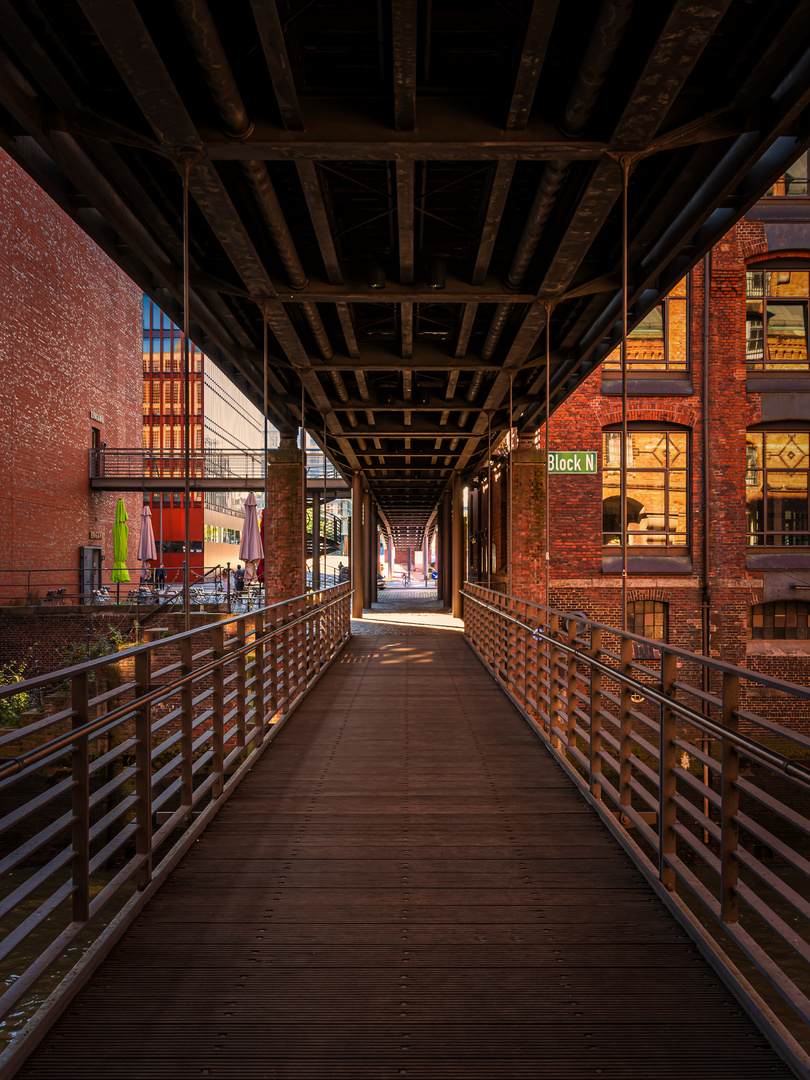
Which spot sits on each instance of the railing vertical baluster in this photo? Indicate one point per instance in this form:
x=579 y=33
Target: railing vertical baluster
x=80 y=798
x=241 y=681
x=625 y=726
x=186 y=726
x=524 y=651
x=729 y=803
x=553 y=681
x=595 y=740
x=571 y=714
x=286 y=649
x=143 y=769
x=218 y=709
x=667 y=777
x=259 y=710
x=272 y=622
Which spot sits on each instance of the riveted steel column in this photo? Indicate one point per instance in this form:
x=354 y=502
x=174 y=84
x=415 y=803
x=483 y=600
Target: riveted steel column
x=458 y=545
x=316 y=540
x=368 y=524
x=356 y=557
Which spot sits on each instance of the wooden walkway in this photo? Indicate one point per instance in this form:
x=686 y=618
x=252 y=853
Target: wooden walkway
x=405 y=886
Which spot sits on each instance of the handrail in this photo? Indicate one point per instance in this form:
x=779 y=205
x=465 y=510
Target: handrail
x=752 y=749
x=12 y=766
x=121 y=796
x=633 y=738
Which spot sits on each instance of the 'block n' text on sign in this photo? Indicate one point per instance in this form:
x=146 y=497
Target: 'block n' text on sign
x=570 y=462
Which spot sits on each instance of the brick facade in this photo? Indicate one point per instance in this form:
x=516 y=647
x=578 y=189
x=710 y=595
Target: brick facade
x=70 y=348
x=582 y=579
x=283 y=564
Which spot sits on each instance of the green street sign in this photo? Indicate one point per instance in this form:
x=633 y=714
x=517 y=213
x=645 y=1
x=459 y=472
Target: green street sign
x=569 y=462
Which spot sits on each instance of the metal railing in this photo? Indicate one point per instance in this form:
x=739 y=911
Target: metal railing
x=709 y=796
x=112 y=463
x=102 y=797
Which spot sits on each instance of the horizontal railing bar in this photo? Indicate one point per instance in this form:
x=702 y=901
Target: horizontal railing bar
x=750 y=748
x=14 y=766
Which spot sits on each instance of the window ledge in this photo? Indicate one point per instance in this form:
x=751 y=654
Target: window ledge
x=778 y=559
x=758 y=381
x=671 y=386
x=648 y=564
x=777 y=647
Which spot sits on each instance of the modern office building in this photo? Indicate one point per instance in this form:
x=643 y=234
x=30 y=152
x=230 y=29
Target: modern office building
x=221 y=418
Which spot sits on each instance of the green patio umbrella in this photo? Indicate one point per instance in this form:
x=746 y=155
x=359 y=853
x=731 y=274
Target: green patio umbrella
x=120 y=537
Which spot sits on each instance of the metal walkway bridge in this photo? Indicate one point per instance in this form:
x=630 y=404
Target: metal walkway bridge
x=406 y=884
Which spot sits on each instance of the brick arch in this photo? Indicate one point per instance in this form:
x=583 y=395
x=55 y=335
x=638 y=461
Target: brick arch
x=781 y=253
x=659 y=595
x=683 y=414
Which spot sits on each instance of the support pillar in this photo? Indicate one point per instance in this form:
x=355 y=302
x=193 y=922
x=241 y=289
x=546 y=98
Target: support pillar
x=458 y=545
x=368 y=523
x=528 y=524
x=283 y=572
x=425 y=556
x=356 y=557
x=447 y=549
x=390 y=556
x=316 y=540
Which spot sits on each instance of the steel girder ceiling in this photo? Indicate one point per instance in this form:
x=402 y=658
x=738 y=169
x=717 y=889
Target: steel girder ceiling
x=402 y=185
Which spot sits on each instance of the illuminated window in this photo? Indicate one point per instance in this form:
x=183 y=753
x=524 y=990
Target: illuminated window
x=647 y=618
x=776 y=488
x=780 y=620
x=658 y=344
x=657 y=468
x=794 y=181
x=776 y=320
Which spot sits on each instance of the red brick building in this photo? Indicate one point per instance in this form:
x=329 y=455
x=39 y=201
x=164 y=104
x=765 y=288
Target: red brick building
x=718 y=528
x=71 y=358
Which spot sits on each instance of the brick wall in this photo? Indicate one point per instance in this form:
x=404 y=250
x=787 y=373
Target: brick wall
x=70 y=344
x=283 y=563
x=576 y=567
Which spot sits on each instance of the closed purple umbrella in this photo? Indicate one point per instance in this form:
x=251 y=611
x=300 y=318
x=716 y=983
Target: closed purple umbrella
x=146 y=542
x=251 y=548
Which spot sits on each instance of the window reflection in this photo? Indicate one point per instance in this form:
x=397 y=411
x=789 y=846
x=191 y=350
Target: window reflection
x=794 y=181
x=776 y=320
x=657 y=503
x=658 y=344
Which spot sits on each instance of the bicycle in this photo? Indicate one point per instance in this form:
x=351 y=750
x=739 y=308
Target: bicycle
x=406 y=580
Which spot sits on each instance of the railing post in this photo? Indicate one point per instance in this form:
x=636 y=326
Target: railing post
x=259 y=710
x=572 y=683
x=626 y=725
x=241 y=682
x=729 y=803
x=186 y=726
x=595 y=740
x=80 y=798
x=274 y=651
x=143 y=769
x=667 y=777
x=218 y=710
x=553 y=681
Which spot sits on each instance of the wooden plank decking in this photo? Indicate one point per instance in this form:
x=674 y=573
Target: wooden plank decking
x=405 y=886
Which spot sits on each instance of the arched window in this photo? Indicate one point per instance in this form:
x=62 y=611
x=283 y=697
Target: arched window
x=779 y=620
x=657 y=467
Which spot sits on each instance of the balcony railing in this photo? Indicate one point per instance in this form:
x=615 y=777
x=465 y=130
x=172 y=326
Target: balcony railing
x=707 y=793
x=149 y=465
